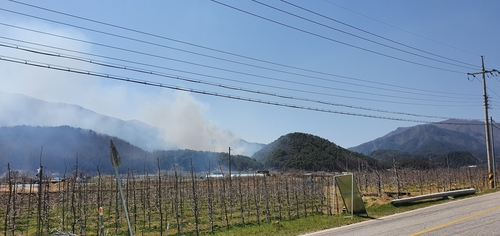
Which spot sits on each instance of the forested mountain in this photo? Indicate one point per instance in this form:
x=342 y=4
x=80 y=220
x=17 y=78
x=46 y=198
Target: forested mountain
x=59 y=147
x=451 y=135
x=19 y=109
x=312 y=153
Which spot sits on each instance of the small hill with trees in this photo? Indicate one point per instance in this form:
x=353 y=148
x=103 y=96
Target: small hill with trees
x=311 y=153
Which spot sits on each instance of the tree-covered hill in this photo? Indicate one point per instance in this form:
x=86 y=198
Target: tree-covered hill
x=311 y=153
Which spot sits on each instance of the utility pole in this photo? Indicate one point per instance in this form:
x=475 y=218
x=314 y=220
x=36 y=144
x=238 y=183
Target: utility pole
x=493 y=150
x=486 y=121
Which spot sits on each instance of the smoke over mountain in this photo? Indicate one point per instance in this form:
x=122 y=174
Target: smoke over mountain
x=181 y=124
x=151 y=118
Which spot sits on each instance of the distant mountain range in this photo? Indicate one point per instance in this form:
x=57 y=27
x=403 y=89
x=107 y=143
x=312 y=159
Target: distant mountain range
x=67 y=131
x=447 y=136
x=18 y=109
x=61 y=149
x=58 y=148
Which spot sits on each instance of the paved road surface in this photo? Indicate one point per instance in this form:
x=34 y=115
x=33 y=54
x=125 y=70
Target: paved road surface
x=473 y=216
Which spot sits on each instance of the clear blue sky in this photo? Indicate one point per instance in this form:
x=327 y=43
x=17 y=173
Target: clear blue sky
x=409 y=59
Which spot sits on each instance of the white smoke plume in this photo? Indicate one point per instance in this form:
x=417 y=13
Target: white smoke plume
x=179 y=116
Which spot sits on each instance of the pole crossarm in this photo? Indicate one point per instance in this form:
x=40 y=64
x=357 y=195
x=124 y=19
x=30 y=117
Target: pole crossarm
x=485 y=71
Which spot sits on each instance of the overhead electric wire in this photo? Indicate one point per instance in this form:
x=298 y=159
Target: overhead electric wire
x=490 y=103
x=222 y=69
x=376 y=35
x=366 y=39
x=493 y=74
x=140 y=70
x=494 y=108
x=172 y=87
x=210 y=93
x=495 y=113
x=156 y=84
x=487 y=88
x=262 y=85
x=229 y=53
x=493 y=124
x=233 y=71
x=401 y=29
x=337 y=41
x=308 y=76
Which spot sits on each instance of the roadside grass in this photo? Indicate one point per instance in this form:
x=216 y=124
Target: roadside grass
x=376 y=208
x=293 y=227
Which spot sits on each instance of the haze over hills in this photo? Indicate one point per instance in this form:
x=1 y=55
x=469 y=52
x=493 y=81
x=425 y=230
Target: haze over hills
x=291 y=151
x=59 y=148
x=18 y=109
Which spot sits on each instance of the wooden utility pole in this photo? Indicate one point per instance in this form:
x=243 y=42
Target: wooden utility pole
x=486 y=121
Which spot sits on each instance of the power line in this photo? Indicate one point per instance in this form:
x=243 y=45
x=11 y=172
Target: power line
x=336 y=41
x=376 y=35
x=366 y=39
x=244 y=82
x=155 y=84
x=494 y=73
x=496 y=113
x=356 y=91
x=307 y=76
x=227 y=53
x=227 y=70
x=401 y=29
x=148 y=72
x=60 y=68
x=495 y=125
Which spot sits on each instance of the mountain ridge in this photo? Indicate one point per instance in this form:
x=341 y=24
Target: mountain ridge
x=26 y=110
x=448 y=135
x=59 y=148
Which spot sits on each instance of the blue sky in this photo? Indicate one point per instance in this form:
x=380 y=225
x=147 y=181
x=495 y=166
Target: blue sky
x=396 y=60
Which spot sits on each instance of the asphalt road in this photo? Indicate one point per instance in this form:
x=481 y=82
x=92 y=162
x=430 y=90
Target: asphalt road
x=472 y=216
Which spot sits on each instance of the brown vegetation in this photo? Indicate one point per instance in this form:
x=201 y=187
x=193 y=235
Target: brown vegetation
x=185 y=203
